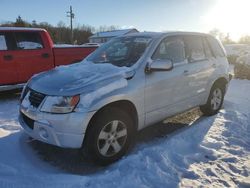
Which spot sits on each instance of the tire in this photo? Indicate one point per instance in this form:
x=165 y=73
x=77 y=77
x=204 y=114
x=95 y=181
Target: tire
x=109 y=136
x=215 y=100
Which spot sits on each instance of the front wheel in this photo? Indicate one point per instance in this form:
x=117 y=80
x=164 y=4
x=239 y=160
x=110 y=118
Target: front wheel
x=109 y=136
x=215 y=100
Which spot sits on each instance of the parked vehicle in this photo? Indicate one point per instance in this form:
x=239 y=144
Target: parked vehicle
x=28 y=51
x=127 y=84
x=92 y=44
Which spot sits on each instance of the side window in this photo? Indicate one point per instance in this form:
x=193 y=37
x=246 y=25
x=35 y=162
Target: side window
x=171 y=48
x=207 y=49
x=3 y=44
x=217 y=50
x=28 y=40
x=195 y=51
x=7 y=41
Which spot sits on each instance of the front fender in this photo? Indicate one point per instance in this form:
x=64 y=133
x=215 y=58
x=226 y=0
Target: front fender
x=107 y=100
x=104 y=90
x=137 y=101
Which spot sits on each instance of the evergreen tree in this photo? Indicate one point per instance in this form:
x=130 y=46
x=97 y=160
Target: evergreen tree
x=20 y=22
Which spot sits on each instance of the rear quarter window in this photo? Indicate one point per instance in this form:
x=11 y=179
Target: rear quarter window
x=216 y=48
x=207 y=48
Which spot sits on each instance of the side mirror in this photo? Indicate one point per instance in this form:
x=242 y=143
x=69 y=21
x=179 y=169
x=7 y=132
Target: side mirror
x=160 y=65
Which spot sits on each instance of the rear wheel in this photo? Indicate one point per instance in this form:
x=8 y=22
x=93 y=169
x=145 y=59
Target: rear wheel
x=109 y=136
x=215 y=100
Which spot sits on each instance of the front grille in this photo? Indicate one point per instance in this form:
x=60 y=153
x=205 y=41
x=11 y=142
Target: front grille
x=36 y=98
x=29 y=122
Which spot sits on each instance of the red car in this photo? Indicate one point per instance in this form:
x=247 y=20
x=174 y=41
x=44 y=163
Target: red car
x=28 y=51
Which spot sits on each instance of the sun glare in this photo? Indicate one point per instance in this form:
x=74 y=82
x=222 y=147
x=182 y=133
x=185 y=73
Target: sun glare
x=229 y=16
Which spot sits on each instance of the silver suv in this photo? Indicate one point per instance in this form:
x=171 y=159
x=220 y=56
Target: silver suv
x=127 y=84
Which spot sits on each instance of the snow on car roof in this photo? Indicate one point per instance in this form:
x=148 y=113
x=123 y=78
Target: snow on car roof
x=113 y=33
x=161 y=34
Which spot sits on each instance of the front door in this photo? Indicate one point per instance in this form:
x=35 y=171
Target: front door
x=166 y=92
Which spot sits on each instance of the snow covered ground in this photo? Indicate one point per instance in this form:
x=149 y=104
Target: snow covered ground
x=210 y=151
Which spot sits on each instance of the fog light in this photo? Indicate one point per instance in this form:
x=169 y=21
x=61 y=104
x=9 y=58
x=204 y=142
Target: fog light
x=43 y=133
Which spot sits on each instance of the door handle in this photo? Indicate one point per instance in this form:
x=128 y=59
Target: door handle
x=45 y=55
x=186 y=72
x=8 y=57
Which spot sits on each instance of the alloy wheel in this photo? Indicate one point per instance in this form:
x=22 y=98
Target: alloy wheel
x=216 y=99
x=112 y=138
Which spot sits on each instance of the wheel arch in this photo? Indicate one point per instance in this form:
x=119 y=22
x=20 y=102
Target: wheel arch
x=222 y=81
x=206 y=108
x=125 y=105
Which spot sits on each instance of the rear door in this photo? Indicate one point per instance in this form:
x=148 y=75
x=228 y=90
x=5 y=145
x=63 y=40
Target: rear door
x=8 y=65
x=201 y=67
x=32 y=54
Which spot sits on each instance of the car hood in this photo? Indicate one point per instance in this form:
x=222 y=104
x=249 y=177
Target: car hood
x=83 y=77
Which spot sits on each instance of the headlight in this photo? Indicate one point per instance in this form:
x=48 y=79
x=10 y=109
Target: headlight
x=24 y=92
x=60 y=104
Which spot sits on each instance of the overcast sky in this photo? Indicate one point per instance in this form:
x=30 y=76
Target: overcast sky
x=230 y=16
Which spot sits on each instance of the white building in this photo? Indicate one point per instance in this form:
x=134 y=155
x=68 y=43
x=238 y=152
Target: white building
x=102 y=37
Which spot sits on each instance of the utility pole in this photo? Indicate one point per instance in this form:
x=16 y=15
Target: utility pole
x=72 y=16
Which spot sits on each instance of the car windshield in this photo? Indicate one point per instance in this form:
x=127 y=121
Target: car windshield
x=123 y=51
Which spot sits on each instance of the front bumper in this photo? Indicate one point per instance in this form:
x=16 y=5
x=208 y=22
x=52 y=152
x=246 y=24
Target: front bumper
x=63 y=130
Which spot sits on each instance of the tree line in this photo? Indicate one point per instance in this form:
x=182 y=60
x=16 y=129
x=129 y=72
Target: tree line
x=226 y=39
x=60 y=33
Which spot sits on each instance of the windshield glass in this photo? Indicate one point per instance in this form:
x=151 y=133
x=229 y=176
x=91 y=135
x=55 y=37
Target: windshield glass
x=124 y=51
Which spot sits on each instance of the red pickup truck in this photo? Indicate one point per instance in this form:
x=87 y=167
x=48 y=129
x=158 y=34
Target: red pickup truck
x=28 y=51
